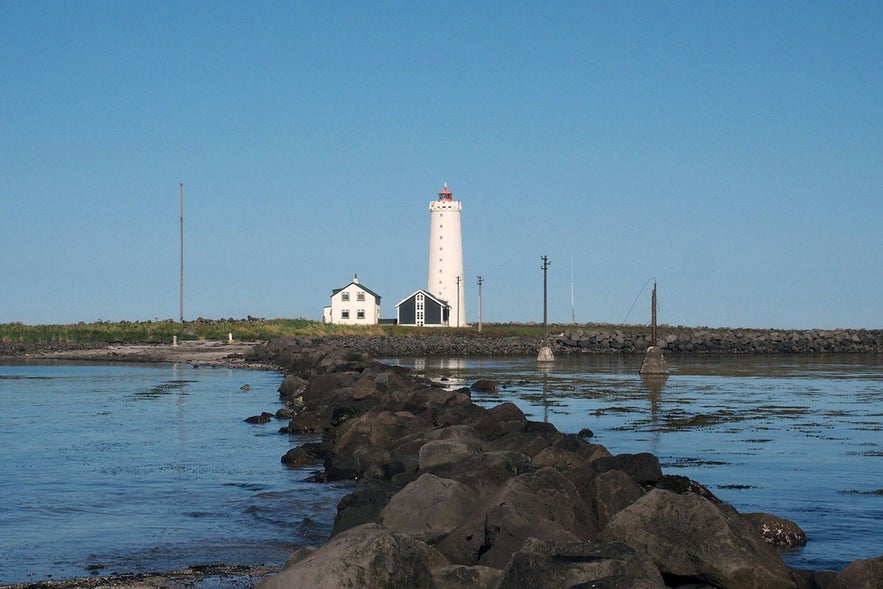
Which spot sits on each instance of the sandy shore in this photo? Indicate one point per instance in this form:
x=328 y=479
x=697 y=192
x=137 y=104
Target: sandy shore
x=197 y=353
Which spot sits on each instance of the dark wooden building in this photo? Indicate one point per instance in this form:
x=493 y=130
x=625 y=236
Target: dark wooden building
x=423 y=308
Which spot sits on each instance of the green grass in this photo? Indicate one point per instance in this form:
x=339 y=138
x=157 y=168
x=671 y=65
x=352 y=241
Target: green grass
x=164 y=331
x=263 y=330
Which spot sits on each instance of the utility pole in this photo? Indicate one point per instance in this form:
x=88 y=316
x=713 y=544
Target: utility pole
x=545 y=268
x=181 y=289
x=480 y=282
x=653 y=316
x=458 y=301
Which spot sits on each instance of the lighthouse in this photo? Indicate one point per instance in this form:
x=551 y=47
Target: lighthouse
x=446 y=280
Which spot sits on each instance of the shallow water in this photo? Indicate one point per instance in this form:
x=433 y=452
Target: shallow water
x=135 y=468
x=796 y=436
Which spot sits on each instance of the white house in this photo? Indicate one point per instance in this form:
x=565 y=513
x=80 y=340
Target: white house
x=353 y=305
x=423 y=308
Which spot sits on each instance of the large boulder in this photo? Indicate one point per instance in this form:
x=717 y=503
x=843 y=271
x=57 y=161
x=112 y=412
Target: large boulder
x=364 y=504
x=549 y=565
x=689 y=537
x=543 y=504
x=440 y=452
x=861 y=574
x=292 y=388
x=568 y=451
x=643 y=467
x=361 y=446
x=429 y=508
x=365 y=557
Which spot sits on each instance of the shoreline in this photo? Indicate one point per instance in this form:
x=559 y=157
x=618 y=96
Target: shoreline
x=196 y=353
x=208 y=576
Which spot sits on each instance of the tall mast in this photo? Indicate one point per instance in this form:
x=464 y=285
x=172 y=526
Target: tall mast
x=181 y=288
x=653 y=316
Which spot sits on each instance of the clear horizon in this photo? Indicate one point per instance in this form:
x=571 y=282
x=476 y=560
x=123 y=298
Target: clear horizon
x=733 y=152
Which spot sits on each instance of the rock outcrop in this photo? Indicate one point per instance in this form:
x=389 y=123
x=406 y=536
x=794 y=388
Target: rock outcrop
x=451 y=494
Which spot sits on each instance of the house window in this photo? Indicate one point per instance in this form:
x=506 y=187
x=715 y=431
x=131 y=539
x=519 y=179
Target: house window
x=345 y=314
x=360 y=296
x=345 y=296
x=360 y=314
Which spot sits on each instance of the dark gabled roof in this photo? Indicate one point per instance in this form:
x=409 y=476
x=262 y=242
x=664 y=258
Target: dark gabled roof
x=360 y=285
x=438 y=300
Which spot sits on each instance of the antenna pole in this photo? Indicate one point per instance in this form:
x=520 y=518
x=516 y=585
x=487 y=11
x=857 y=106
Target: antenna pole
x=653 y=317
x=181 y=288
x=545 y=268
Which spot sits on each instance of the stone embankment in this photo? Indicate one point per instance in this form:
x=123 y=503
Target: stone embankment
x=454 y=495
x=611 y=340
x=725 y=341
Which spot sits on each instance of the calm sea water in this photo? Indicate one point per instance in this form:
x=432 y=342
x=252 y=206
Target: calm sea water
x=139 y=468
x=136 y=468
x=796 y=436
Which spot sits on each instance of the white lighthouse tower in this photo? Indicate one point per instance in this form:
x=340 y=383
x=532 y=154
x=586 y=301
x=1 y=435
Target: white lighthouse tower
x=446 y=280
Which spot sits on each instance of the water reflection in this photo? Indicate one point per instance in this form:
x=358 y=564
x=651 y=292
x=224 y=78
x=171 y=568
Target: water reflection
x=545 y=370
x=795 y=435
x=451 y=364
x=653 y=385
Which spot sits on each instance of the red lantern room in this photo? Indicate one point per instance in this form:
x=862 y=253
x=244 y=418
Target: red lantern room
x=446 y=194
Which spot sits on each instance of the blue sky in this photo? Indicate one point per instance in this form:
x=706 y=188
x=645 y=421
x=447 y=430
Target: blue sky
x=733 y=151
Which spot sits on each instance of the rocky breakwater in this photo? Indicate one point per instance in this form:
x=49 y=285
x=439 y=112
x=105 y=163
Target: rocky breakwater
x=721 y=341
x=451 y=494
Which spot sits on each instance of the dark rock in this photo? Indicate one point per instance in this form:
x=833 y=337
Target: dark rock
x=485 y=386
x=292 y=386
x=553 y=565
x=367 y=556
x=466 y=577
x=814 y=579
x=284 y=413
x=681 y=485
x=304 y=455
x=429 y=508
x=262 y=418
x=776 y=530
x=440 y=452
x=586 y=433
x=363 y=505
x=643 y=467
x=543 y=504
x=861 y=574
x=689 y=537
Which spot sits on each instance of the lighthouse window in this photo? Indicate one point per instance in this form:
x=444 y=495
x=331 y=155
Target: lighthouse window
x=345 y=296
x=345 y=314
x=360 y=296
x=360 y=314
